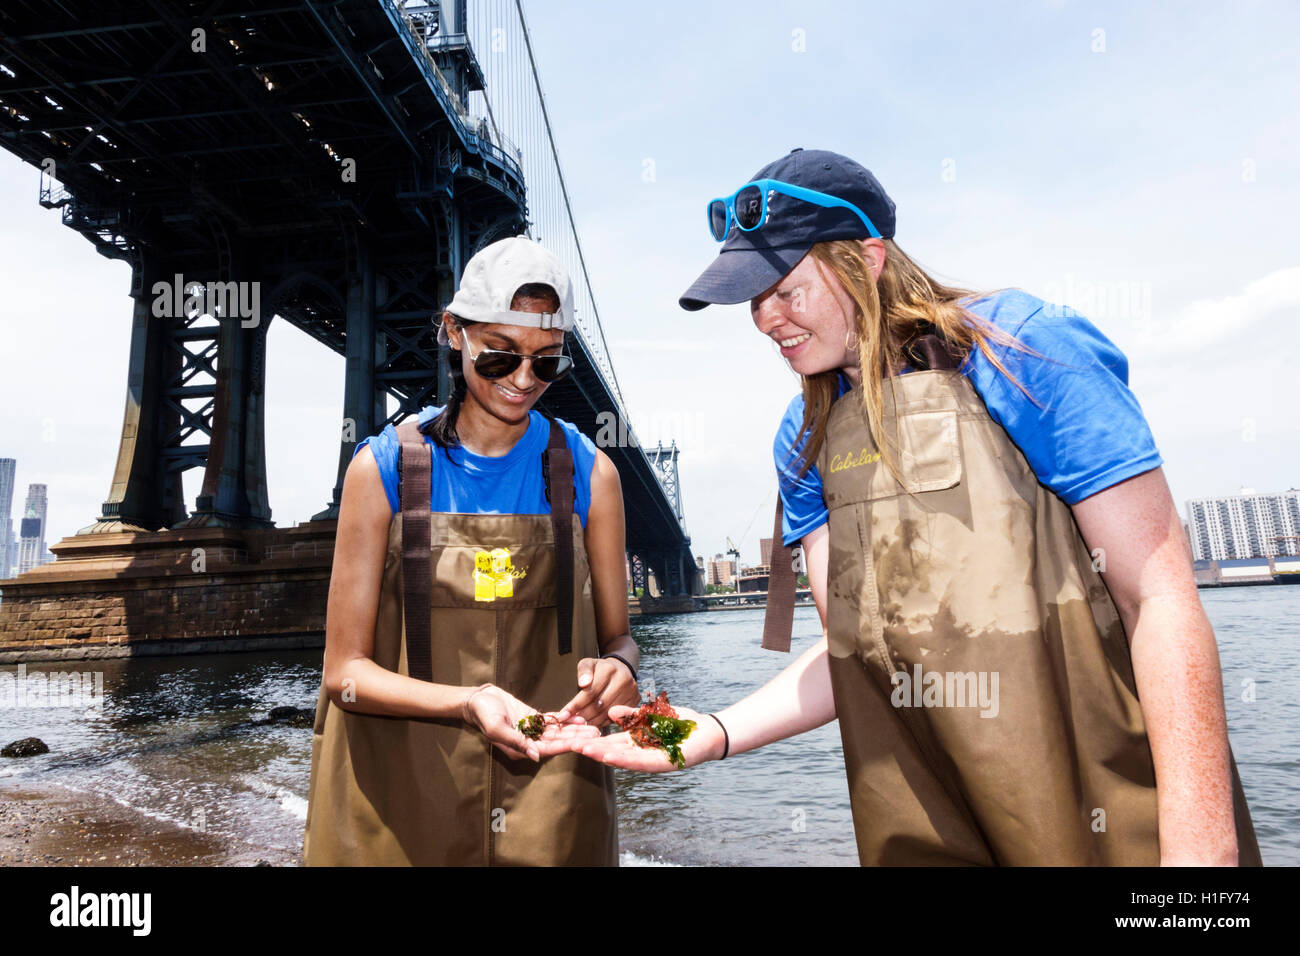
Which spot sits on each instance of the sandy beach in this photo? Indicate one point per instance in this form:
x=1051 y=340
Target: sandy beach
x=50 y=826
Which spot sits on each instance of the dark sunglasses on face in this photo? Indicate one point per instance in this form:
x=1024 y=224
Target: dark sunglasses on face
x=498 y=363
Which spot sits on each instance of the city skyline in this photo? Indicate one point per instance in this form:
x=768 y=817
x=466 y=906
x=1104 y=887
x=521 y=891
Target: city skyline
x=7 y=470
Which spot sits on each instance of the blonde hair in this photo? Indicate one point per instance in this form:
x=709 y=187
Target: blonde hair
x=889 y=312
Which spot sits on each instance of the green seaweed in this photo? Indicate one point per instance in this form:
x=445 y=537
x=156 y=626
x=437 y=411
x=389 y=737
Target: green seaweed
x=532 y=726
x=671 y=731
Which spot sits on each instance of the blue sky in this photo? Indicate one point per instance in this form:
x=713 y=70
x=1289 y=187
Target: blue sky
x=1152 y=184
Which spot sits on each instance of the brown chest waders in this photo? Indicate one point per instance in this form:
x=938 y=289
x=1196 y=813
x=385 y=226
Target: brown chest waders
x=982 y=676
x=506 y=599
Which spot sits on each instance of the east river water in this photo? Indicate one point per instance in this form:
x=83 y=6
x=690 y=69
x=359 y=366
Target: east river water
x=182 y=739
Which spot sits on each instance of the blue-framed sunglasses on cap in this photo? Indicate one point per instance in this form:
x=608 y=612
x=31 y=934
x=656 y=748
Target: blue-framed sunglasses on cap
x=747 y=206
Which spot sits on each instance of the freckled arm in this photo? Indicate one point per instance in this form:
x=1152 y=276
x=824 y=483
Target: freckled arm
x=1148 y=571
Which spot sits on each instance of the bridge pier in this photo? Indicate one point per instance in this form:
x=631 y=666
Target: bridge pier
x=146 y=492
x=395 y=298
x=453 y=264
x=234 y=493
x=364 y=405
x=668 y=582
x=173 y=348
x=639 y=582
x=184 y=591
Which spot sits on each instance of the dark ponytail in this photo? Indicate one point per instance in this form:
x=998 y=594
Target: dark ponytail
x=442 y=427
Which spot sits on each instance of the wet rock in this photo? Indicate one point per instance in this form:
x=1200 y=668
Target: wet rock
x=294 y=716
x=27 y=747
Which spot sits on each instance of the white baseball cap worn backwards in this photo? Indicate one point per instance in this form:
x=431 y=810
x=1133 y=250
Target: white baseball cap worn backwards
x=494 y=274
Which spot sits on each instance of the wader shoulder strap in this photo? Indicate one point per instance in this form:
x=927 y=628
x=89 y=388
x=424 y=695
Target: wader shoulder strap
x=557 y=474
x=414 y=467
x=927 y=351
x=778 y=619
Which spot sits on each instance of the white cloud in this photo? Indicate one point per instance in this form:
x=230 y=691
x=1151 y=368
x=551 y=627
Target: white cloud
x=1214 y=378
x=1206 y=323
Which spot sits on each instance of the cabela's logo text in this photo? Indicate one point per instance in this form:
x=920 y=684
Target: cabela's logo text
x=864 y=457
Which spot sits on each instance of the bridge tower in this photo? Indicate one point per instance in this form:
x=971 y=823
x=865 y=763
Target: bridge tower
x=665 y=462
x=675 y=571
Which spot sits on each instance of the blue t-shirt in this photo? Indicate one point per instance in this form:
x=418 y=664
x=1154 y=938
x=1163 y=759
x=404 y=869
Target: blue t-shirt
x=465 y=483
x=1090 y=433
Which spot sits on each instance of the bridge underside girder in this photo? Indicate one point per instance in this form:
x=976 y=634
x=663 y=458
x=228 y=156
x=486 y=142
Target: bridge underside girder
x=296 y=153
x=301 y=155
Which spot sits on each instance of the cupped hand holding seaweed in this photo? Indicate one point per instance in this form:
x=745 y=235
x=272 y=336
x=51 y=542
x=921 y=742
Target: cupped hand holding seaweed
x=498 y=714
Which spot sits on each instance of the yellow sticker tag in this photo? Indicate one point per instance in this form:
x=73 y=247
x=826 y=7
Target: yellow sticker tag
x=484 y=580
x=494 y=574
x=503 y=572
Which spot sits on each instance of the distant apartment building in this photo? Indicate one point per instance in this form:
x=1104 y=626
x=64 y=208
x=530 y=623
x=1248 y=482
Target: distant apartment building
x=719 y=571
x=31 y=535
x=753 y=579
x=1246 y=525
x=765 y=551
x=8 y=466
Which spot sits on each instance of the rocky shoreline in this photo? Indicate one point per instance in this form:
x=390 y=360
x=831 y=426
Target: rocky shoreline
x=49 y=826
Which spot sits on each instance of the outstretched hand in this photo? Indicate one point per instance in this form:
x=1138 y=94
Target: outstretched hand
x=619 y=750
x=497 y=713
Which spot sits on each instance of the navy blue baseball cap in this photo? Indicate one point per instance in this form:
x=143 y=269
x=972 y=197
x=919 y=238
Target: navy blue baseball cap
x=751 y=262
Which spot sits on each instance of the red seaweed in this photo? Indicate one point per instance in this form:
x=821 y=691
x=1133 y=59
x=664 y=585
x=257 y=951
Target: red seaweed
x=656 y=724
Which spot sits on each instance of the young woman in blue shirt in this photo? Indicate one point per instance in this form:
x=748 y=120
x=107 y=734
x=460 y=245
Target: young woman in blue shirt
x=977 y=495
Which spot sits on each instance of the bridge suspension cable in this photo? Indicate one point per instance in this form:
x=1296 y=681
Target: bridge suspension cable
x=511 y=113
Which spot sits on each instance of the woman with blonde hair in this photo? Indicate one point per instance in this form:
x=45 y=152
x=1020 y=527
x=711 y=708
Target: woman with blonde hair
x=1012 y=639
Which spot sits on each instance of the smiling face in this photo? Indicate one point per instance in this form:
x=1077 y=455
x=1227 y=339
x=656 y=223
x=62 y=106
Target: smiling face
x=511 y=397
x=809 y=315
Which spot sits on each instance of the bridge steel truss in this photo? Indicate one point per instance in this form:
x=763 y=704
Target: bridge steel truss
x=298 y=156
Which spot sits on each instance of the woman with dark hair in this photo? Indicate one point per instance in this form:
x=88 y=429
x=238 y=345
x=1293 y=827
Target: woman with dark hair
x=1012 y=639
x=464 y=598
